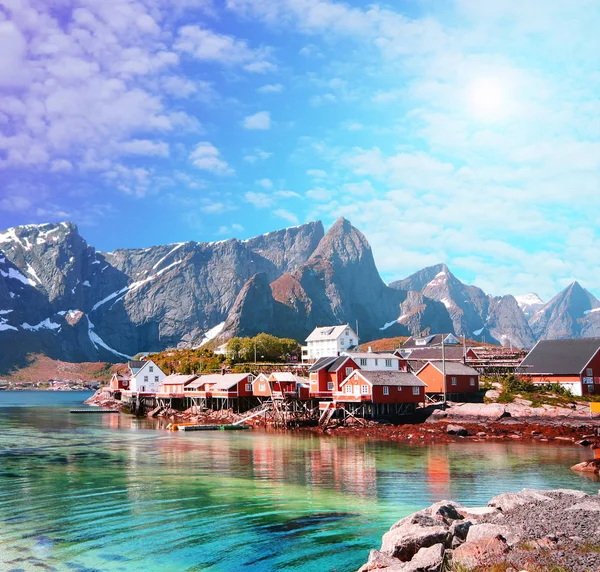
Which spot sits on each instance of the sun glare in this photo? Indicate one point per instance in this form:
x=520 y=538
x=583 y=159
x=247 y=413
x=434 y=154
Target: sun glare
x=487 y=99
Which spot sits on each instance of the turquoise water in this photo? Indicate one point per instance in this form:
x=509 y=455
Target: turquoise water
x=110 y=492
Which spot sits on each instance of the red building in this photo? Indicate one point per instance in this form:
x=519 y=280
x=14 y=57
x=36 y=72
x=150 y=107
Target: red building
x=414 y=358
x=459 y=378
x=119 y=382
x=381 y=387
x=174 y=385
x=327 y=373
x=575 y=364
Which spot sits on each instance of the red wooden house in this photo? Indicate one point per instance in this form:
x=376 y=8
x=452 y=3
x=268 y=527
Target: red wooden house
x=174 y=385
x=261 y=387
x=413 y=359
x=327 y=373
x=575 y=364
x=119 y=382
x=459 y=378
x=381 y=387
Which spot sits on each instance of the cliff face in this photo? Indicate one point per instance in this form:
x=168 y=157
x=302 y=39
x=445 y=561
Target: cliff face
x=59 y=296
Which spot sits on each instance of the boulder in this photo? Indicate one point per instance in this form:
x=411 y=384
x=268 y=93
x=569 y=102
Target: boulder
x=508 y=501
x=474 y=554
x=457 y=430
x=429 y=559
x=488 y=530
x=411 y=534
x=592 y=466
x=377 y=561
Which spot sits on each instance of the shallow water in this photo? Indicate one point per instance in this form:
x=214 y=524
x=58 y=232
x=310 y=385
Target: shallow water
x=110 y=492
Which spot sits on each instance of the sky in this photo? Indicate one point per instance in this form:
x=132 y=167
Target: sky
x=456 y=131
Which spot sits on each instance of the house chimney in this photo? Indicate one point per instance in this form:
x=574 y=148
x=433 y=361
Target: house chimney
x=370 y=350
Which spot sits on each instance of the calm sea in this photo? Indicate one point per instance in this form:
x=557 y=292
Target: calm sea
x=110 y=492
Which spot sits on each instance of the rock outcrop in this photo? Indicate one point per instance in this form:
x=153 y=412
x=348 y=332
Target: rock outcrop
x=515 y=530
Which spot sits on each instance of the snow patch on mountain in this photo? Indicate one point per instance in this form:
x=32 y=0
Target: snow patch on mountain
x=212 y=333
x=527 y=300
x=16 y=275
x=46 y=324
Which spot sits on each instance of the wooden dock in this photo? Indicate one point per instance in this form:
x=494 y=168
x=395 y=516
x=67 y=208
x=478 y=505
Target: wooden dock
x=182 y=427
x=95 y=410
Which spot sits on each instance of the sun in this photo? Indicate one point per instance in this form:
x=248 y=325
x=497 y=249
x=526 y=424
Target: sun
x=487 y=98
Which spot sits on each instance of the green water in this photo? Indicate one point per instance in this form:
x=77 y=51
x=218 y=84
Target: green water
x=109 y=492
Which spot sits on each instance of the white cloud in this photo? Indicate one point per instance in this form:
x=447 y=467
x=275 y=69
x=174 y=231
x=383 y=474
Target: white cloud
x=257 y=155
x=206 y=156
x=288 y=195
x=316 y=173
x=260 y=120
x=271 y=88
x=230 y=230
x=319 y=194
x=286 y=215
x=206 y=45
x=259 y=200
x=265 y=183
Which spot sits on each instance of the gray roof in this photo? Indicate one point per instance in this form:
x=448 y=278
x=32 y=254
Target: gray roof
x=322 y=362
x=332 y=363
x=433 y=353
x=431 y=340
x=136 y=364
x=560 y=357
x=454 y=368
x=392 y=378
x=221 y=381
x=178 y=378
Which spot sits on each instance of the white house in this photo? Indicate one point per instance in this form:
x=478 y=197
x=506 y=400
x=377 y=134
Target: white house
x=371 y=361
x=145 y=376
x=328 y=341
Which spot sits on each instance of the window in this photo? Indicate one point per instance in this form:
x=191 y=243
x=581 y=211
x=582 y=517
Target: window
x=248 y=387
x=350 y=342
x=589 y=372
x=348 y=388
x=453 y=381
x=156 y=378
x=363 y=361
x=388 y=363
x=590 y=389
x=376 y=361
x=330 y=385
x=472 y=381
x=261 y=386
x=151 y=368
x=145 y=379
x=399 y=388
x=364 y=389
x=143 y=388
x=349 y=370
x=415 y=391
x=386 y=390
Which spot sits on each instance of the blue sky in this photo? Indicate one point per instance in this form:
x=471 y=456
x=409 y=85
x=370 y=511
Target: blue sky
x=465 y=132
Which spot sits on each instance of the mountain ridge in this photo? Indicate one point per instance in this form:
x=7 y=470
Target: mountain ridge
x=62 y=297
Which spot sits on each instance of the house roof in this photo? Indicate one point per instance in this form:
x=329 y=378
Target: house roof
x=322 y=363
x=433 y=353
x=560 y=357
x=429 y=341
x=390 y=378
x=371 y=355
x=288 y=376
x=453 y=368
x=221 y=381
x=327 y=333
x=135 y=364
x=178 y=378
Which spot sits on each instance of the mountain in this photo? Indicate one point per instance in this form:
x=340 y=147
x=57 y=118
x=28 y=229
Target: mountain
x=62 y=298
x=571 y=313
x=529 y=304
x=339 y=283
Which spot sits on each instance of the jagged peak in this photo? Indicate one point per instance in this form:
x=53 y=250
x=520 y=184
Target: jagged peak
x=28 y=235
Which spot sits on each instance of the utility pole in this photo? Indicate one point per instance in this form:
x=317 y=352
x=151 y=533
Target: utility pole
x=254 y=350
x=444 y=370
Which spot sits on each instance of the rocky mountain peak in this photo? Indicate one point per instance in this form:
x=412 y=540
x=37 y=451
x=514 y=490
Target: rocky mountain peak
x=344 y=244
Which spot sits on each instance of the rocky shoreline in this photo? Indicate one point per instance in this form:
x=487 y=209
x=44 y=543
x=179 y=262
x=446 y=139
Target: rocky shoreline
x=531 y=530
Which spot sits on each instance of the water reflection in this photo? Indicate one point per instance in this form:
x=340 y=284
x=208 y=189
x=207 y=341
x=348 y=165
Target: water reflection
x=110 y=492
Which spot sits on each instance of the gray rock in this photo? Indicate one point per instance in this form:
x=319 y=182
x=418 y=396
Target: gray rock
x=488 y=530
x=378 y=561
x=428 y=559
x=416 y=532
x=508 y=501
x=456 y=430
